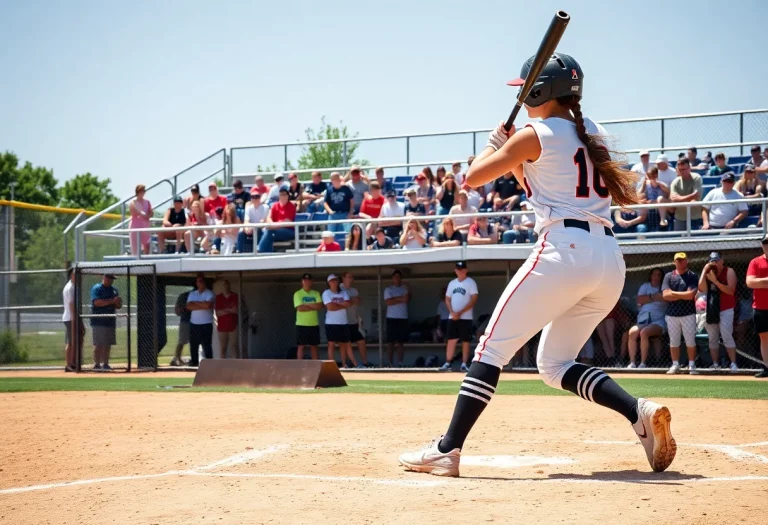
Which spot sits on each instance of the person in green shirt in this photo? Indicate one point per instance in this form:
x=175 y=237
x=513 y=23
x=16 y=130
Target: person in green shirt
x=687 y=187
x=720 y=166
x=307 y=303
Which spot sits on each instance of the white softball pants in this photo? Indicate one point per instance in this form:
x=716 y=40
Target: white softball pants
x=722 y=329
x=681 y=328
x=568 y=284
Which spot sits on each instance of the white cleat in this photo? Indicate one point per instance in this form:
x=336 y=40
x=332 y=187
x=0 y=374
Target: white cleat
x=674 y=369
x=445 y=368
x=653 y=429
x=432 y=461
x=734 y=368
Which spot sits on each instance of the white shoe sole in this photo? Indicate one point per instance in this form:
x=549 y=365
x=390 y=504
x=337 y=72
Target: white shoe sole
x=664 y=445
x=435 y=470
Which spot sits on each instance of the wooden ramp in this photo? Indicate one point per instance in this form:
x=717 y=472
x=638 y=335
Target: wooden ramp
x=268 y=373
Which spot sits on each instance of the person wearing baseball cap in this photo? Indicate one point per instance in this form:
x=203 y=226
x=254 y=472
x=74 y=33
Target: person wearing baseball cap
x=174 y=217
x=757 y=281
x=719 y=216
x=105 y=300
x=719 y=283
x=679 y=289
x=256 y=212
x=751 y=188
x=281 y=211
x=329 y=243
x=336 y=302
x=274 y=191
x=642 y=167
x=307 y=303
x=460 y=298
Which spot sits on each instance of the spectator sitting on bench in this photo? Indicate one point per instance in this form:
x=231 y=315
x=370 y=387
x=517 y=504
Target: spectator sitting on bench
x=356 y=240
x=314 y=193
x=720 y=166
x=394 y=209
x=482 y=232
x=751 y=188
x=687 y=187
x=255 y=213
x=414 y=236
x=447 y=235
x=282 y=211
x=381 y=242
x=174 y=217
x=329 y=243
x=723 y=216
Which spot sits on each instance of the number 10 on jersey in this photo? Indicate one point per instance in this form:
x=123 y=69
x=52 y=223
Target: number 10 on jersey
x=582 y=188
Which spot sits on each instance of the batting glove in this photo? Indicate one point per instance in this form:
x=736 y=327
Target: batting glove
x=498 y=137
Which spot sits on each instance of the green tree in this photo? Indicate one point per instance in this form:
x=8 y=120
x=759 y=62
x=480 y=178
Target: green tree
x=329 y=155
x=86 y=191
x=34 y=184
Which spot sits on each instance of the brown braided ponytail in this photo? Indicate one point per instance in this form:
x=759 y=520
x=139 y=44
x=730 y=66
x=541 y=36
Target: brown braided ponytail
x=619 y=182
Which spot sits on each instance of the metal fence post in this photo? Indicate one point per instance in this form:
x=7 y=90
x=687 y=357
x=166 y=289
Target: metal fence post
x=741 y=133
x=408 y=150
x=77 y=313
x=474 y=143
x=285 y=157
x=662 y=135
x=344 y=159
x=379 y=296
x=128 y=322
x=122 y=221
x=155 y=344
x=296 y=235
x=687 y=221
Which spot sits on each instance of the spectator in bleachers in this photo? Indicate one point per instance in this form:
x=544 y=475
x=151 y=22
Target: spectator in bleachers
x=255 y=213
x=313 y=194
x=197 y=217
x=719 y=283
x=679 y=289
x=439 y=176
x=392 y=209
x=174 y=217
x=140 y=210
x=751 y=188
x=356 y=239
x=358 y=185
x=427 y=172
x=214 y=200
x=463 y=223
x=667 y=174
x=336 y=302
x=229 y=235
x=385 y=184
x=282 y=211
x=687 y=187
x=260 y=187
x=354 y=321
x=329 y=243
x=757 y=280
x=447 y=235
x=295 y=191
x=371 y=207
x=460 y=298
x=339 y=203
x=457 y=173
x=274 y=190
x=307 y=303
x=521 y=227
x=630 y=221
x=105 y=300
x=212 y=242
x=476 y=199
x=696 y=163
x=651 y=320
x=226 y=304
x=482 y=232
x=414 y=236
x=194 y=197
x=413 y=206
x=397 y=295
x=720 y=166
x=506 y=193
x=757 y=161
x=381 y=241
x=763 y=165
x=654 y=191
x=642 y=167
x=425 y=192
x=446 y=195
x=240 y=198
x=723 y=216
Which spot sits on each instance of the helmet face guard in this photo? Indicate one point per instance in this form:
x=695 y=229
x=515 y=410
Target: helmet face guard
x=561 y=77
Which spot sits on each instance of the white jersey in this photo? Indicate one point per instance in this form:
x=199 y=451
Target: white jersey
x=560 y=183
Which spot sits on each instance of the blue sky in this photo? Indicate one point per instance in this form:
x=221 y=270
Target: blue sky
x=138 y=90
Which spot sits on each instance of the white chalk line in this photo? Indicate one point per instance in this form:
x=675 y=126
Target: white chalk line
x=376 y=481
x=245 y=457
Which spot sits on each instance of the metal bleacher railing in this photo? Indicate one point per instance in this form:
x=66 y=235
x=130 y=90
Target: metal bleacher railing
x=730 y=132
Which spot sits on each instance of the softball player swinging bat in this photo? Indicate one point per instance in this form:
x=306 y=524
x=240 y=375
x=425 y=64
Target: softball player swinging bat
x=570 y=179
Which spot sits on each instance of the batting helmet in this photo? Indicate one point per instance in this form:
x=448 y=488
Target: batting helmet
x=561 y=77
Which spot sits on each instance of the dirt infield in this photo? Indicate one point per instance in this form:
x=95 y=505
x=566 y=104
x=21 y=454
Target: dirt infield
x=123 y=457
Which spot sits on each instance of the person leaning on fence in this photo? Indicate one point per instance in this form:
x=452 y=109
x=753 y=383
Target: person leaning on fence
x=719 y=283
x=70 y=326
x=687 y=187
x=200 y=303
x=105 y=300
x=679 y=291
x=757 y=280
x=354 y=321
x=227 y=317
x=460 y=298
x=180 y=308
x=307 y=303
x=396 y=296
x=651 y=320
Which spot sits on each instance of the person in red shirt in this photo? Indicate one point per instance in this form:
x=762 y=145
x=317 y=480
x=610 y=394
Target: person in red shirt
x=281 y=211
x=259 y=186
x=371 y=207
x=226 y=316
x=329 y=243
x=757 y=279
x=214 y=200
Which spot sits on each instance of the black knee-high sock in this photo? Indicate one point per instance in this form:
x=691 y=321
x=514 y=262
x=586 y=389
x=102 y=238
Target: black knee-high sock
x=593 y=384
x=475 y=393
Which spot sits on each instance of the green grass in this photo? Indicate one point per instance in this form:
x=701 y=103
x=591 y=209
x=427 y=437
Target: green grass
x=156 y=383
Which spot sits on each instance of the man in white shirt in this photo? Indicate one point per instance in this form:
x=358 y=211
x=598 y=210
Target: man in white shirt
x=397 y=296
x=70 y=329
x=200 y=303
x=642 y=167
x=723 y=216
x=460 y=298
x=256 y=212
x=392 y=208
x=337 y=301
x=274 y=191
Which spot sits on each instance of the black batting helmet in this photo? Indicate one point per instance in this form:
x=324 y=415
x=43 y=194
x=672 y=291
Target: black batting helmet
x=561 y=77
